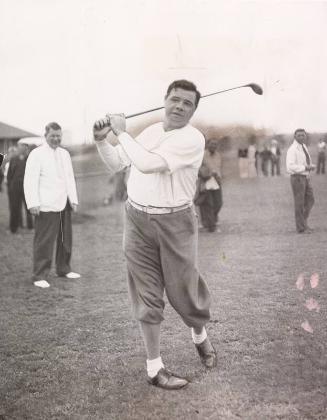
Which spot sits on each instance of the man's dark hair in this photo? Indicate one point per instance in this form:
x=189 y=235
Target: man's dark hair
x=186 y=85
x=53 y=126
x=299 y=130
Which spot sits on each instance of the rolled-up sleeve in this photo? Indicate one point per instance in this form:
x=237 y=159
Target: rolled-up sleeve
x=114 y=157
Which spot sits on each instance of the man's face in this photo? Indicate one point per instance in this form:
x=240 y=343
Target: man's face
x=22 y=149
x=53 y=138
x=13 y=151
x=212 y=146
x=179 y=108
x=300 y=136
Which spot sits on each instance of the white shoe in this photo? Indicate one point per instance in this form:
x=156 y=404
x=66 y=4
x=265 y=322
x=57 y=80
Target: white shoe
x=41 y=283
x=72 y=275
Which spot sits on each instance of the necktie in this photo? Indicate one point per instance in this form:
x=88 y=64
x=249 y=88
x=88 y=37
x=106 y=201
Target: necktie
x=307 y=157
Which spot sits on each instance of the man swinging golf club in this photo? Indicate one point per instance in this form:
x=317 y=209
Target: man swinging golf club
x=160 y=237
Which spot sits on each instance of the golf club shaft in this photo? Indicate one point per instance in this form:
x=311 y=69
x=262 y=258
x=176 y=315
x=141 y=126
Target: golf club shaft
x=225 y=90
x=144 y=112
x=256 y=89
x=202 y=96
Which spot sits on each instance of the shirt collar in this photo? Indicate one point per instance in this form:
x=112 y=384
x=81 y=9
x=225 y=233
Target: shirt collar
x=297 y=144
x=174 y=129
x=50 y=148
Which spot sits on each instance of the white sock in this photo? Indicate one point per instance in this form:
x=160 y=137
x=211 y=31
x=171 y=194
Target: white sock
x=153 y=366
x=199 y=338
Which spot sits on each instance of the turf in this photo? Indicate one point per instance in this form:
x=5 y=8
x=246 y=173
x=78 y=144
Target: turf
x=73 y=352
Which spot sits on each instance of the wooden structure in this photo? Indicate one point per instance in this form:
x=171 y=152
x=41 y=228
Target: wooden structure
x=9 y=136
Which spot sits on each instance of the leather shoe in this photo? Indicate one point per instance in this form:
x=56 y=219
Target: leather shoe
x=207 y=353
x=167 y=380
x=308 y=230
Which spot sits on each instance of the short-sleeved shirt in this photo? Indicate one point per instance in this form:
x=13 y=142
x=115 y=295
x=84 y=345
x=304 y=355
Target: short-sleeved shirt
x=183 y=150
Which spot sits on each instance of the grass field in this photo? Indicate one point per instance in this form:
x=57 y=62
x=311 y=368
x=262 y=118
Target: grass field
x=73 y=351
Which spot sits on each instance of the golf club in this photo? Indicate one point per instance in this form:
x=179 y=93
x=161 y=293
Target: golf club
x=106 y=122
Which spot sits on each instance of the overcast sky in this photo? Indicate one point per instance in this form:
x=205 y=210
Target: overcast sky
x=75 y=60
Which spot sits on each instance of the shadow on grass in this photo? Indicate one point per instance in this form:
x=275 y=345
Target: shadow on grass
x=80 y=218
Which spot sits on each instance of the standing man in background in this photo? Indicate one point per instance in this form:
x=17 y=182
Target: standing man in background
x=243 y=162
x=299 y=165
x=161 y=233
x=321 y=156
x=275 y=154
x=210 y=178
x=50 y=192
x=252 y=158
x=265 y=159
x=15 y=181
x=1 y=173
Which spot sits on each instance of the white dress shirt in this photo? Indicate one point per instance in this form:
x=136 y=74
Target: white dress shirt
x=49 y=179
x=296 y=160
x=182 y=149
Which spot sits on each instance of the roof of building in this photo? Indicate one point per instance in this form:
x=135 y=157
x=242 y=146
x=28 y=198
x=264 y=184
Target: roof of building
x=10 y=132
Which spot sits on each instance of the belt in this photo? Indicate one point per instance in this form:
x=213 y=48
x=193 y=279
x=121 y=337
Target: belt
x=158 y=210
x=306 y=175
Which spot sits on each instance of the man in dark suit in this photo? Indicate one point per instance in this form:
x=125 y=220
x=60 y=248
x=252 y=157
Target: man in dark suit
x=15 y=184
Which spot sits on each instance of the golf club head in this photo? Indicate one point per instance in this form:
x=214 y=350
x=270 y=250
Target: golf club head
x=256 y=88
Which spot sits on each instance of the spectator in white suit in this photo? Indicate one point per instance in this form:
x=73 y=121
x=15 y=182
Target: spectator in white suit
x=50 y=193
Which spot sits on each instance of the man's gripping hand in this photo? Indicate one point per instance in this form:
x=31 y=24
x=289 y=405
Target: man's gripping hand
x=310 y=167
x=101 y=129
x=117 y=123
x=35 y=210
